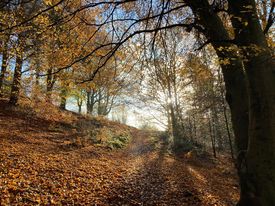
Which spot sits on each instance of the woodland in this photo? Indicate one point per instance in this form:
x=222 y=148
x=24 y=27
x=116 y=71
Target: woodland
x=137 y=102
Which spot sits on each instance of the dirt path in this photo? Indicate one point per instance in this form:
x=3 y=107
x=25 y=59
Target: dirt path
x=37 y=169
x=153 y=177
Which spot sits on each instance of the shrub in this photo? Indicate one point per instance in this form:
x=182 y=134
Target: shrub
x=119 y=141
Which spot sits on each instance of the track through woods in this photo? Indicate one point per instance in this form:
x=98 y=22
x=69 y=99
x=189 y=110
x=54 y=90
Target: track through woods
x=37 y=169
x=153 y=177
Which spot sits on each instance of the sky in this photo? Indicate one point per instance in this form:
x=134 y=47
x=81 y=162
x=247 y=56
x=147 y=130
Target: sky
x=136 y=117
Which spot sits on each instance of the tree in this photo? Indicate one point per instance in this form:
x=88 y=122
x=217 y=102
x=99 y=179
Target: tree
x=4 y=51
x=256 y=101
x=251 y=106
x=259 y=66
x=15 y=89
x=234 y=30
x=165 y=83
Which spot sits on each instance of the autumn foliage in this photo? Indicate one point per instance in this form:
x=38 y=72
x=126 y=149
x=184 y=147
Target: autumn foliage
x=42 y=165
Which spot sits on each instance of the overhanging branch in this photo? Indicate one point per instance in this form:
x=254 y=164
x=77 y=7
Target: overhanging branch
x=270 y=20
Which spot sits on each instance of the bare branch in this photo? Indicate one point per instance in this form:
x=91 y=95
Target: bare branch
x=271 y=19
x=33 y=17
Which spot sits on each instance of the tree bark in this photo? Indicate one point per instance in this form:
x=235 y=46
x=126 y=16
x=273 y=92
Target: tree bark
x=63 y=98
x=225 y=115
x=91 y=101
x=50 y=83
x=190 y=129
x=212 y=136
x=4 y=66
x=258 y=169
x=15 y=89
x=228 y=131
x=79 y=104
x=234 y=77
x=233 y=74
x=216 y=126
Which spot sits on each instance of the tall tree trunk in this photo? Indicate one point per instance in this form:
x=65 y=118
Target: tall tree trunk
x=258 y=169
x=195 y=127
x=175 y=126
x=15 y=89
x=216 y=126
x=234 y=77
x=79 y=104
x=4 y=66
x=50 y=83
x=177 y=139
x=91 y=101
x=88 y=102
x=225 y=115
x=228 y=131
x=233 y=74
x=169 y=122
x=212 y=136
x=36 y=85
x=63 y=98
x=100 y=103
x=190 y=129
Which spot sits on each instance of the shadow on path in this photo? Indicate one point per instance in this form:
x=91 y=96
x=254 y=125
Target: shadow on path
x=151 y=179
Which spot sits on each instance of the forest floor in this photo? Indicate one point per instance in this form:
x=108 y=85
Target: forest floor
x=38 y=168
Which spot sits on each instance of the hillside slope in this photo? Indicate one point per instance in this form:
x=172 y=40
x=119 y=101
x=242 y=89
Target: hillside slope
x=44 y=161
